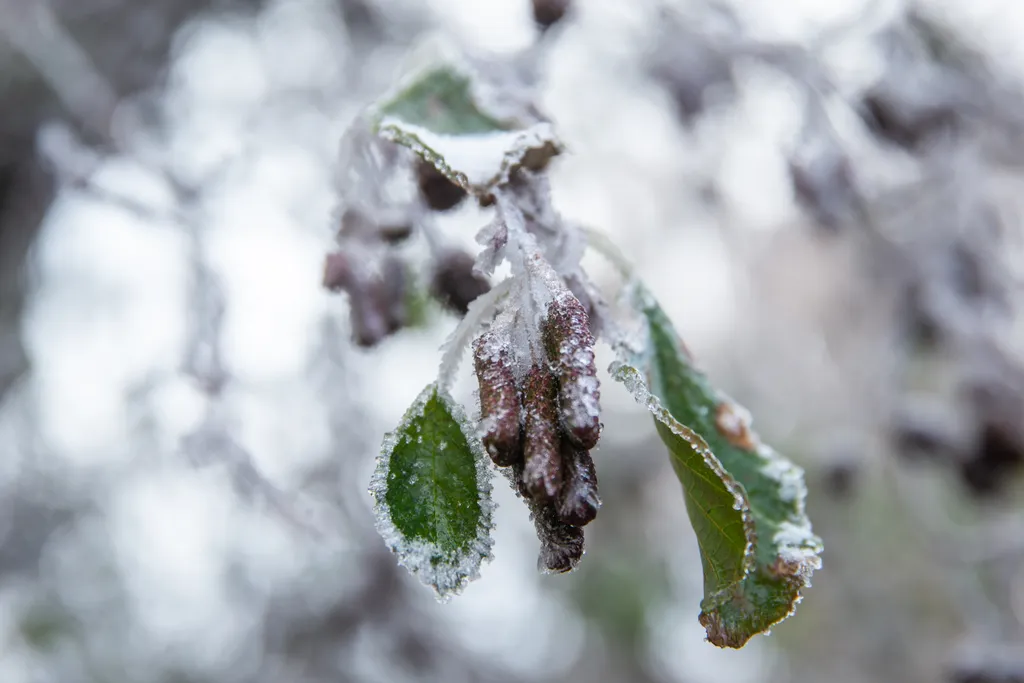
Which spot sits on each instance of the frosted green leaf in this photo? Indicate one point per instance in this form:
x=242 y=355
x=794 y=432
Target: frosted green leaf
x=438 y=116
x=432 y=494
x=745 y=501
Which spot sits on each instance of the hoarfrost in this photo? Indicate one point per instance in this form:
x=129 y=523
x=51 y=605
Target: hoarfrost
x=480 y=309
x=790 y=478
x=631 y=378
x=476 y=161
x=493 y=237
x=798 y=549
x=446 y=572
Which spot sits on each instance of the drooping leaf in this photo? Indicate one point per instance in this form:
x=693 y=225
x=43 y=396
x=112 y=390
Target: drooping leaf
x=441 y=101
x=432 y=494
x=746 y=502
x=439 y=117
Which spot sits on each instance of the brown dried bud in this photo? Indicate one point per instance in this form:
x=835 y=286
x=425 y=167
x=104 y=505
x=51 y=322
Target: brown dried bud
x=368 y=318
x=570 y=346
x=542 y=473
x=437 y=190
x=377 y=305
x=499 y=399
x=454 y=282
x=578 y=502
x=549 y=12
x=561 y=544
x=394 y=281
x=395 y=231
x=338 y=273
x=906 y=117
x=356 y=225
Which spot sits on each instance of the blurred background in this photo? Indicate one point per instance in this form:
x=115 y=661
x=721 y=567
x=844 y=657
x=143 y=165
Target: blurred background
x=826 y=197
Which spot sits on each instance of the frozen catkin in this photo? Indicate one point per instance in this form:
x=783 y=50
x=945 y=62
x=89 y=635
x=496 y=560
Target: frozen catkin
x=377 y=305
x=578 y=501
x=542 y=473
x=561 y=544
x=570 y=347
x=499 y=399
x=454 y=283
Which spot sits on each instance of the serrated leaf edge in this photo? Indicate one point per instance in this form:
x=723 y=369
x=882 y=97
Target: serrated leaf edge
x=404 y=134
x=630 y=377
x=794 y=561
x=467 y=567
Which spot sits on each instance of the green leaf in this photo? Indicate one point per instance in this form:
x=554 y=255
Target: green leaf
x=432 y=494
x=745 y=501
x=439 y=116
x=441 y=101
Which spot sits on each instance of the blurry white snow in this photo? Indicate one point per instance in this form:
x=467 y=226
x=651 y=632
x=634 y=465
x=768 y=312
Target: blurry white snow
x=111 y=308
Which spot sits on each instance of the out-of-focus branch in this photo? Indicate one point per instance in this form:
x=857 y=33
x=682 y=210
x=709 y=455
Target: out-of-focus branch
x=34 y=30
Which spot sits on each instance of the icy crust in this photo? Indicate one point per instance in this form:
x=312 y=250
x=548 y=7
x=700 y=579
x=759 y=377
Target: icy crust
x=632 y=379
x=445 y=568
x=477 y=162
x=570 y=347
x=785 y=550
x=481 y=309
x=499 y=399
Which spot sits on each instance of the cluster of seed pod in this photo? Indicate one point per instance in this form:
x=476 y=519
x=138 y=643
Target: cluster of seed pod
x=374 y=278
x=544 y=426
x=369 y=267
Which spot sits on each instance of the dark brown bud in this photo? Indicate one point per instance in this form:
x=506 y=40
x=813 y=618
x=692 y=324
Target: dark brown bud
x=906 y=120
x=395 y=231
x=570 y=346
x=437 y=190
x=578 y=502
x=369 y=320
x=377 y=304
x=996 y=456
x=356 y=225
x=454 y=282
x=337 y=272
x=561 y=544
x=542 y=472
x=549 y=12
x=499 y=399
x=394 y=287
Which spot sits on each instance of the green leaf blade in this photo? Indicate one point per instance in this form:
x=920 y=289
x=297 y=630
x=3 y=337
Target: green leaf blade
x=748 y=589
x=441 y=101
x=439 y=116
x=432 y=494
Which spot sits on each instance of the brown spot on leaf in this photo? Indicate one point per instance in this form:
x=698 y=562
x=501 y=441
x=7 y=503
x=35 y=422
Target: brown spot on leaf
x=717 y=632
x=786 y=568
x=733 y=422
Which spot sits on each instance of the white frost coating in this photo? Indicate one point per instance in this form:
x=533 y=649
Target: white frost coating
x=536 y=282
x=481 y=159
x=450 y=576
x=789 y=477
x=480 y=309
x=493 y=237
x=798 y=547
x=630 y=377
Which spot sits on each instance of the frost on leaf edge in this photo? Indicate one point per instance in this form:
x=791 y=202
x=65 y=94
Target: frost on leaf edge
x=796 y=548
x=629 y=376
x=451 y=577
x=538 y=137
